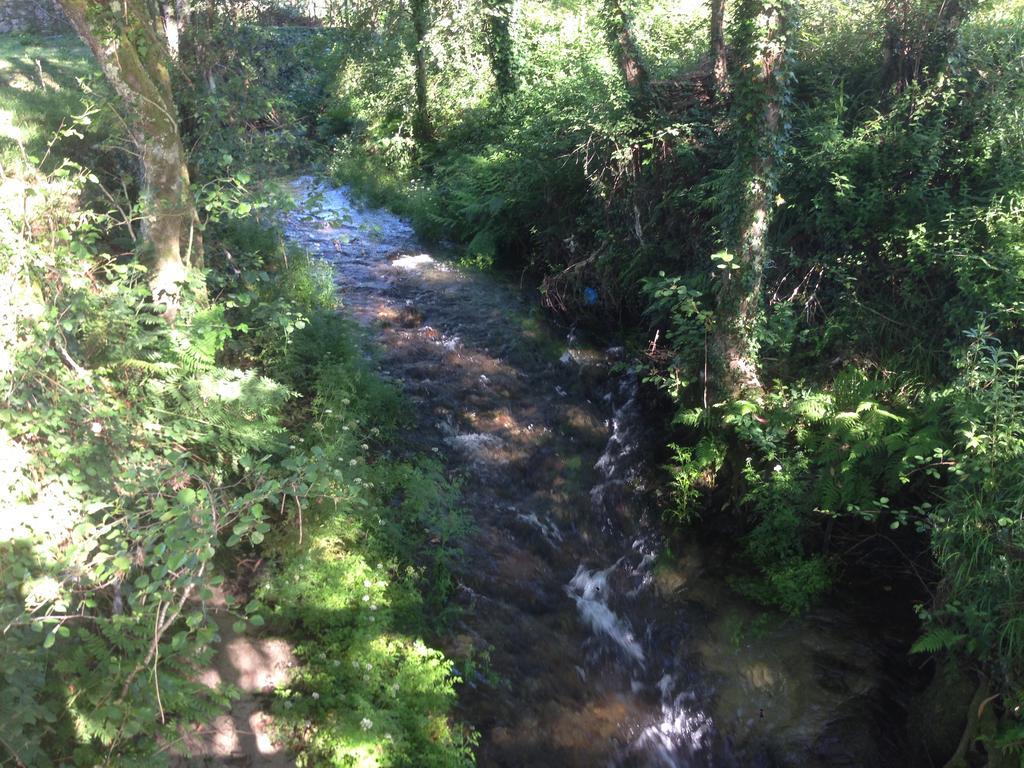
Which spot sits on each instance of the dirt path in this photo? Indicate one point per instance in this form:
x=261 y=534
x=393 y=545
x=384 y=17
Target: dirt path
x=244 y=736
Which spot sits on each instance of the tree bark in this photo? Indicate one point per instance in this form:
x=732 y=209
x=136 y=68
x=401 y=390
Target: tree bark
x=759 y=92
x=423 y=130
x=719 y=64
x=134 y=59
x=626 y=52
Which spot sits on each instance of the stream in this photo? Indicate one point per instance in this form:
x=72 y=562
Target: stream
x=594 y=645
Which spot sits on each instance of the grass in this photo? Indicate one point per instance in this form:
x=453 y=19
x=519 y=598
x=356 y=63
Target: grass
x=367 y=579
x=44 y=83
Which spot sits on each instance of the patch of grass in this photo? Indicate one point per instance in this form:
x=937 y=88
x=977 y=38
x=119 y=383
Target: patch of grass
x=44 y=82
x=365 y=576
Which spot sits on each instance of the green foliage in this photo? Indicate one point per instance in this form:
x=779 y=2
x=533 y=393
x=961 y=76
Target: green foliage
x=367 y=576
x=105 y=580
x=253 y=95
x=976 y=528
x=693 y=471
x=141 y=458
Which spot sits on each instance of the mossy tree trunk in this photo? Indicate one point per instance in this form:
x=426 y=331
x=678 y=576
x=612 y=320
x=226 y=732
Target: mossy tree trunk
x=132 y=53
x=422 y=128
x=626 y=53
x=760 y=84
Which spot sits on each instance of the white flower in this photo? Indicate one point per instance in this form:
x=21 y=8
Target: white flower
x=777 y=467
x=355 y=664
x=366 y=598
x=387 y=737
x=365 y=447
x=367 y=583
x=373 y=619
x=373 y=607
x=316 y=695
x=352 y=462
x=366 y=678
x=366 y=723
x=345 y=401
x=367 y=666
x=96 y=427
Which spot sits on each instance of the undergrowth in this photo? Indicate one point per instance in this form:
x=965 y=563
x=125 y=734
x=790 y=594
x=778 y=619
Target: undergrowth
x=142 y=460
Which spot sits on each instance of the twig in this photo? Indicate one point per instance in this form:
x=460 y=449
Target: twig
x=164 y=623
x=82 y=372
x=156 y=683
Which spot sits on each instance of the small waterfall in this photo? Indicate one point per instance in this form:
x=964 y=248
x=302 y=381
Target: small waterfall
x=679 y=732
x=682 y=733
x=591 y=592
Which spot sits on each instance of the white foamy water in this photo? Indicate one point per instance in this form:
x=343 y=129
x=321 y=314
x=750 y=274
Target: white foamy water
x=417 y=261
x=475 y=445
x=548 y=530
x=590 y=590
x=681 y=732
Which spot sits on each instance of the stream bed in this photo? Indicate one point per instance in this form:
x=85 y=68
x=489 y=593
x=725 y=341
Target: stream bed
x=595 y=644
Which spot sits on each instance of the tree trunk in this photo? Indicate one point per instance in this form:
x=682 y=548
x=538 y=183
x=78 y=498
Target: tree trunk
x=174 y=15
x=759 y=92
x=133 y=57
x=719 y=64
x=626 y=52
x=500 y=45
x=422 y=129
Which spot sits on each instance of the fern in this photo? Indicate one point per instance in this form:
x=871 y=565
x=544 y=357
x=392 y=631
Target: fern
x=938 y=639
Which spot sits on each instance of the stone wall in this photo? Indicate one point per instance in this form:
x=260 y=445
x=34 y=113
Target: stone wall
x=40 y=16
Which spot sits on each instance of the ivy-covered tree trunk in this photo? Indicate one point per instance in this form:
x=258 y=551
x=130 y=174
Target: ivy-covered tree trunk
x=500 y=45
x=126 y=41
x=625 y=51
x=759 y=92
x=719 y=63
x=422 y=128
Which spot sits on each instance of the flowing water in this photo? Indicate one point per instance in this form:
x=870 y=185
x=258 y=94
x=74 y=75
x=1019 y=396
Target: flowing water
x=591 y=655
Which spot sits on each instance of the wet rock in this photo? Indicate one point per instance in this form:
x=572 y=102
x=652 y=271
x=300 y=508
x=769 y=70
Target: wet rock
x=813 y=692
x=938 y=714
